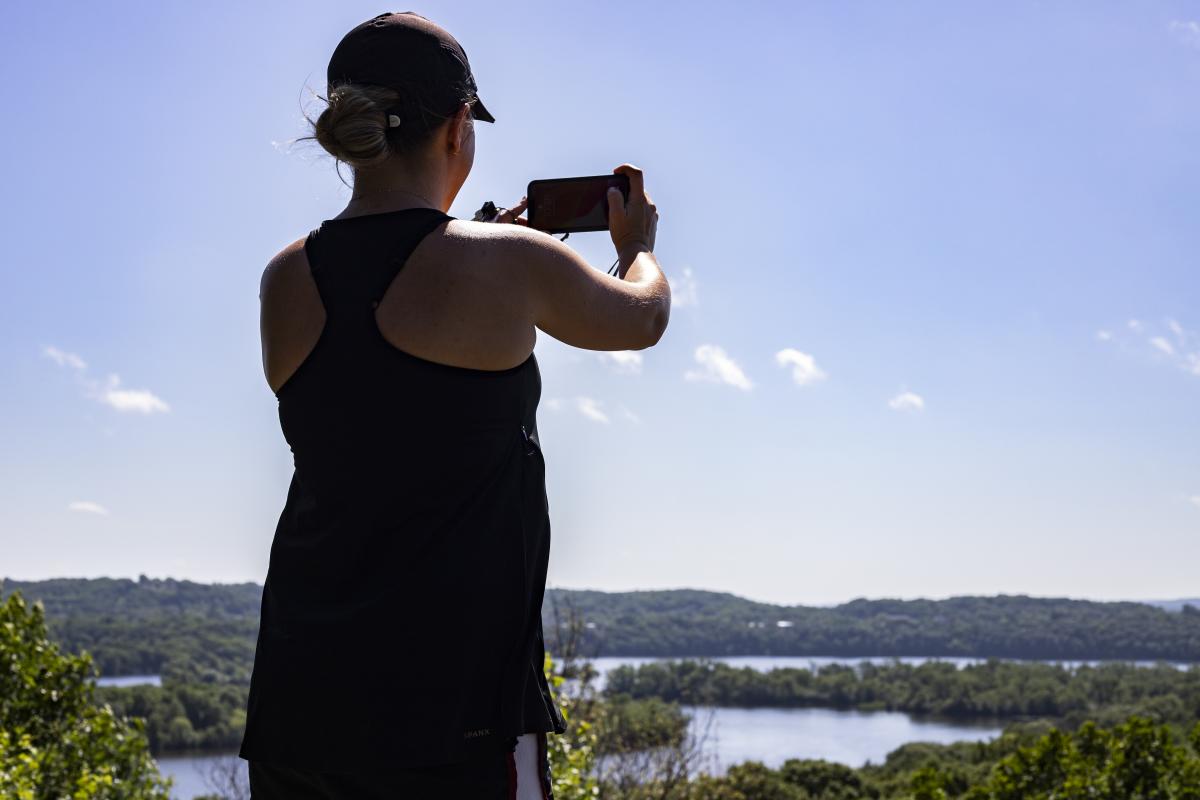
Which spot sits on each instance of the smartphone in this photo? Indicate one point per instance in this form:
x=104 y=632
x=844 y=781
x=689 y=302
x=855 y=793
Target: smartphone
x=568 y=205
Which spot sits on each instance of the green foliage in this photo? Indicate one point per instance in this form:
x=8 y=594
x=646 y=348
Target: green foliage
x=186 y=632
x=61 y=737
x=625 y=725
x=1136 y=760
x=825 y=780
x=1107 y=693
x=755 y=781
x=200 y=633
x=54 y=741
x=572 y=755
x=687 y=622
x=750 y=780
x=183 y=716
x=928 y=783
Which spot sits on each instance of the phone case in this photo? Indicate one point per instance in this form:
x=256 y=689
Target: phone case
x=532 y=195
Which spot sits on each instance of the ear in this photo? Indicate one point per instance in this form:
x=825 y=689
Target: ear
x=459 y=128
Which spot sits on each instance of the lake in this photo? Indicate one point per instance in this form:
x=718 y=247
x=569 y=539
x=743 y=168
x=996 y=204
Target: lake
x=773 y=735
x=190 y=773
x=129 y=680
x=770 y=735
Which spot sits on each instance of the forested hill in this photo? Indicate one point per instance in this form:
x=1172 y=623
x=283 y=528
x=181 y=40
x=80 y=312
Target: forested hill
x=1176 y=605
x=193 y=631
x=65 y=597
x=187 y=632
x=697 y=623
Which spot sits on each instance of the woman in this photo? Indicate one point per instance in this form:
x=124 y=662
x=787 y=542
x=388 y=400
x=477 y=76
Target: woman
x=400 y=646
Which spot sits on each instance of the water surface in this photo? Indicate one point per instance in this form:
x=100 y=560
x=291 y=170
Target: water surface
x=129 y=680
x=773 y=735
x=191 y=773
x=769 y=735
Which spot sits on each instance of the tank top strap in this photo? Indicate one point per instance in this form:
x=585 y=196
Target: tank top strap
x=354 y=260
x=410 y=234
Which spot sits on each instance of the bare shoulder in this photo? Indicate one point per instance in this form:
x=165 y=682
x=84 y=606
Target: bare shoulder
x=291 y=314
x=286 y=268
x=496 y=240
x=518 y=255
x=499 y=258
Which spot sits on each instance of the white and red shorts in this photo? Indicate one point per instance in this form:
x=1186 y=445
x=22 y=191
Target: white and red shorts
x=529 y=768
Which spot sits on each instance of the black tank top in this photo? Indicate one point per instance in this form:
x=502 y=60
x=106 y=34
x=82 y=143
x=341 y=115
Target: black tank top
x=401 y=613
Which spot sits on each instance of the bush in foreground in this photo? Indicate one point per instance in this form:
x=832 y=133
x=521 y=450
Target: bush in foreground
x=54 y=741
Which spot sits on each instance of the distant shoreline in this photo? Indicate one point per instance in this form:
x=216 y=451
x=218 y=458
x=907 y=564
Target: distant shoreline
x=148 y=625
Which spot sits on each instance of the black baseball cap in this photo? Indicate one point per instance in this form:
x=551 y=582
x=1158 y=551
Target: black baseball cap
x=409 y=53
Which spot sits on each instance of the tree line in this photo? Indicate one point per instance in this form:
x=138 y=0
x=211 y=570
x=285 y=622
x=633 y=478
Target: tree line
x=206 y=632
x=995 y=689
x=681 y=623
x=1132 y=759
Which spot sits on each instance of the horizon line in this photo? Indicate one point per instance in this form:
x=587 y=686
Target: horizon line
x=1144 y=601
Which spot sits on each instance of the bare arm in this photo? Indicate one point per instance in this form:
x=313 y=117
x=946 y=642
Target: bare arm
x=584 y=307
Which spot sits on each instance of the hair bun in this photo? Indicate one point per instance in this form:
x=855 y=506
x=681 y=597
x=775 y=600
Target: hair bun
x=364 y=124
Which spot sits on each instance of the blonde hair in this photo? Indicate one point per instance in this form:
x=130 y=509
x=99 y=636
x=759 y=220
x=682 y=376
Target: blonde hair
x=353 y=127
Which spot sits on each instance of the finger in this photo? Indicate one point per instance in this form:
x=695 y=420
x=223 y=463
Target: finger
x=636 y=183
x=616 y=204
x=511 y=214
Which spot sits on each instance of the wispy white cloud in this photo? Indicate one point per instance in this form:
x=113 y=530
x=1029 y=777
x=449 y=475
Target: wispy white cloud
x=629 y=415
x=1185 y=31
x=907 y=401
x=1162 y=344
x=142 y=401
x=683 y=289
x=626 y=361
x=590 y=408
x=717 y=367
x=1195 y=499
x=804 y=367
x=63 y=358
x=1170 y=342
x=87 y=507
x=109 y=392
x=1104 y=336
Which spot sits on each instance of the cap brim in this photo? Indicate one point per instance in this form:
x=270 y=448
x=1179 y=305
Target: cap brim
x=478 y=111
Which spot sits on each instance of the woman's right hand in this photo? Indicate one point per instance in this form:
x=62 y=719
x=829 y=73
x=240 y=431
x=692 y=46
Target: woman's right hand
x=635 y=221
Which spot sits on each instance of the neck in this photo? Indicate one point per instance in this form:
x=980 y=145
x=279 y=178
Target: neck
x=396 y=186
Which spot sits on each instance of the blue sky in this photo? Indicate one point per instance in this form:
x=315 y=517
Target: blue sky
x=936 y=327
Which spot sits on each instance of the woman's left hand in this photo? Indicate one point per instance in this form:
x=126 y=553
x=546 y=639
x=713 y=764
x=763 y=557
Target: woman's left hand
x=513 y=215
